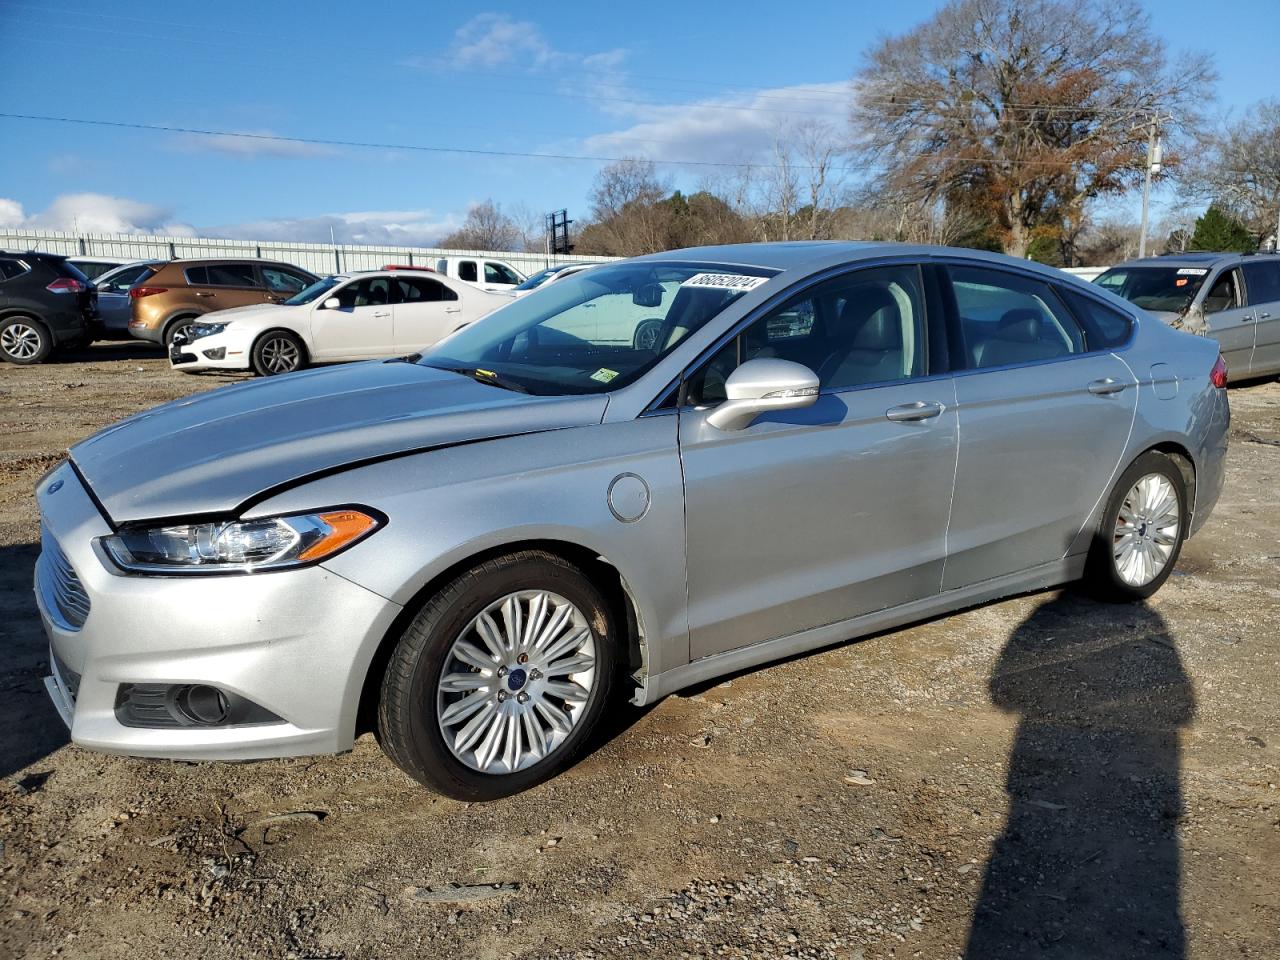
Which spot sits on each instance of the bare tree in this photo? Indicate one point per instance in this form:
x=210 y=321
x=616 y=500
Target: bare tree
x=1039 y=103
x=627 y=218
x=1238 y=166
x=485 y=228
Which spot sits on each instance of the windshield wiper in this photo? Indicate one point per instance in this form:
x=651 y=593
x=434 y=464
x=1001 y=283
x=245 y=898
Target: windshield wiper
x=487 y=377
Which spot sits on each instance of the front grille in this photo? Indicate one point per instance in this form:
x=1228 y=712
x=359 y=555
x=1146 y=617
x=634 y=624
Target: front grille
x=60 y=590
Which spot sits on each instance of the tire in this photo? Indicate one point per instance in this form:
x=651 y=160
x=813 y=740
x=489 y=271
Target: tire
x=1154 y=543
x=414 y=725
x=646 y=335
x=181 y=323
x=24 y=340
x=276 y=352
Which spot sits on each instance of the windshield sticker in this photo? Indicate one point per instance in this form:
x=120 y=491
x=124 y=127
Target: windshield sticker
x=1192 y=271
x=604 y=375
x=724 y=281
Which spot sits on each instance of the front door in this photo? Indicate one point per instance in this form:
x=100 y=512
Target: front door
x=1262 y=284
x=360 y=326
x=425 y=311
x=1230 y=320
x=811 y=517
x=1043 y=420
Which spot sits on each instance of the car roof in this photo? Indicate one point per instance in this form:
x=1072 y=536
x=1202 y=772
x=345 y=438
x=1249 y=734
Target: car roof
x=1194 y=258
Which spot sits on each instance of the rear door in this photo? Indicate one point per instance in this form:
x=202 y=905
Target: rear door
x=360 y=326
x=1262 y=289
x=425 y=310
x=1230 y=319
x=1044 y=417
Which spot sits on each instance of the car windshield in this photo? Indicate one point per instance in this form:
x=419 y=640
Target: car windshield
x=1167 y=289
x=314 y=291
x=539 y=278
x=596 y=330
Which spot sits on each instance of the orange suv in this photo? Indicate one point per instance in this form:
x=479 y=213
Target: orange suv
x=181 y=291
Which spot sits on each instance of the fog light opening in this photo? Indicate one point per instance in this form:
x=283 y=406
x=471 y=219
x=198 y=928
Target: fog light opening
x=202 y=704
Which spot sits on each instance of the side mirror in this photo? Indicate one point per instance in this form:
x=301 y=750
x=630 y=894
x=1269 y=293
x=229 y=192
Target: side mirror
x=649 y=295
x=331 y=303
x=759 y=386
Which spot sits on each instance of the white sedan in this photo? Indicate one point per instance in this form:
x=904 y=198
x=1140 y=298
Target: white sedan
x=350 y=316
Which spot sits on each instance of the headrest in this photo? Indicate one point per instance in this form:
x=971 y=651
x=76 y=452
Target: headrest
x=1021 y=325
x=873 y=315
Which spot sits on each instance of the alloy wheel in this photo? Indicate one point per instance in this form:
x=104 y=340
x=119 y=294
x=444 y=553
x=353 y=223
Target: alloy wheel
x=1147 y=530
x=516 y=682
x=279 y=355
x=20 y=341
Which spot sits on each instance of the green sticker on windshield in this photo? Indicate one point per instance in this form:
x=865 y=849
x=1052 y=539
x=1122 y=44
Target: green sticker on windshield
x=604 y=375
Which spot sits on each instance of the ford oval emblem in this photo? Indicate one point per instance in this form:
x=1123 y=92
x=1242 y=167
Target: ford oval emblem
x=54 y=487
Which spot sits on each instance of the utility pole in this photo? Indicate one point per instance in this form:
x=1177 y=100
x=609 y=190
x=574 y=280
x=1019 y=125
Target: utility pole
x=1153 y=167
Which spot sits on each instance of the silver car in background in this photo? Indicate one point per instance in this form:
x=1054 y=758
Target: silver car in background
x=1232 y=297
x=473 y=550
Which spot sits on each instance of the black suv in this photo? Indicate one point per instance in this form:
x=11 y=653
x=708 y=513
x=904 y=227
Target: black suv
x=45 y=303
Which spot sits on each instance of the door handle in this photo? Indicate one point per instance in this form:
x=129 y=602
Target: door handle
x=382 y=314
x=452 y=309
x=1106 y=386
x=1264 y=316
x=911 y=412
x=201 y=293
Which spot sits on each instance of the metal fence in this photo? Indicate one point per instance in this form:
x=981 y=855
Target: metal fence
x=321 y=258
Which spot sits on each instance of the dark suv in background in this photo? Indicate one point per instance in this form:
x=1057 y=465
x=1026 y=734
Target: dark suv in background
x=45 y=303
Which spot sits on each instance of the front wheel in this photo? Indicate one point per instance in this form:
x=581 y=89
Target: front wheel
x=1141 y=532
x=278 y=351
x=497 y=683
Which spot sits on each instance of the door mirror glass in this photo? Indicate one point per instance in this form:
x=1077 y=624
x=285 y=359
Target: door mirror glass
x=759 y=386
x=332 y=303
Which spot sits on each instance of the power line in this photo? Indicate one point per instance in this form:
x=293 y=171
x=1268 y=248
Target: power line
x=475 y=151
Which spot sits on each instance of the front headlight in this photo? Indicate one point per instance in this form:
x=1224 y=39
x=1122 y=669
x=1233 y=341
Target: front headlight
x=239 y=546
x=199 y=330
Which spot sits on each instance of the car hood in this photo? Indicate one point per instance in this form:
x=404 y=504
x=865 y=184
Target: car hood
x=252 y=312
x=214 y=452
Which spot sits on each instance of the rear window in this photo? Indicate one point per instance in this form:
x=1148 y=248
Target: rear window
x=222 y=275
x=1104 y=327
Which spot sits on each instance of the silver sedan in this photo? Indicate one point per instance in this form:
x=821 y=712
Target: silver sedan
x=472 y=550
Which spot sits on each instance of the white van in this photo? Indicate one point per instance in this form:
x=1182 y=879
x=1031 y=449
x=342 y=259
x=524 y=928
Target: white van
x=496 y=276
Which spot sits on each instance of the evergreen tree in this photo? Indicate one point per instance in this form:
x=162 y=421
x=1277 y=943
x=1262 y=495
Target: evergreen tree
x=1218 y=230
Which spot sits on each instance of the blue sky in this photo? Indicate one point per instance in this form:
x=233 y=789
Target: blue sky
x=673 y=81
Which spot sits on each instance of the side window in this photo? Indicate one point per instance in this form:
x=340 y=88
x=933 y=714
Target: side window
x=197 y=276
x=862 y=328
x=1007 y=319
x=370 y=292
x=1262 y=281
x=279 y=280
x=1224 y=294
x=467 y=271
x=499 y=273
x=231 y=275
x=1104 y=327
x=418 y=290
x=10 y=269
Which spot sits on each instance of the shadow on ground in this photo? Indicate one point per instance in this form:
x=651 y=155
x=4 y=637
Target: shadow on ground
x=1088 y=865
x=30 y=728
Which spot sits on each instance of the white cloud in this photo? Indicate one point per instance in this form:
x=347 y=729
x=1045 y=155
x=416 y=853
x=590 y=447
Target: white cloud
x=490 y=40
x=405 y=228
x=94 y=213
x=247 y=143
x=734 y=128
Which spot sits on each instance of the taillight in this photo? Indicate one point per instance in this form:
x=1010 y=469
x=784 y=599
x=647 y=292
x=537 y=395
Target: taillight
x=67 y=285
x=1218 y=375
x=137 y=293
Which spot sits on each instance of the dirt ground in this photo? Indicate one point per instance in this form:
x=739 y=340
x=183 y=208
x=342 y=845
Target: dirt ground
x=1041 y=777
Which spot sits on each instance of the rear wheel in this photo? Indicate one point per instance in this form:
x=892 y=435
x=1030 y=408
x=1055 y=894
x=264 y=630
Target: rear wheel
x=278 y=351
x=497 y=683
x=24 y=340
x=1142 y=531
